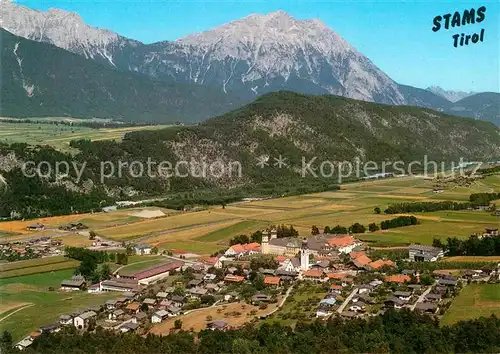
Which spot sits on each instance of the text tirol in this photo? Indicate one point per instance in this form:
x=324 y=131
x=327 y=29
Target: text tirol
x=458 y=19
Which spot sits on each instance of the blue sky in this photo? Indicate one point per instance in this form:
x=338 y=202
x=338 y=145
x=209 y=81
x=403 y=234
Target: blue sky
x=395 y=35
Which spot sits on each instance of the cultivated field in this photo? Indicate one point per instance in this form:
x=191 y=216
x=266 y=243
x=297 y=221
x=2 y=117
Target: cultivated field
x=209 y=230
x=36 y=266
x=59 y=136
x=39 y=305
x=474 y=301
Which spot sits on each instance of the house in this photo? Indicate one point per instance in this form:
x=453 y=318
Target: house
x=321 y=265
x=233 y=278
x=51 y=328
x=82 y=321
x=133 y=307
x=414 y=287
x=260 y=298
x=159 y=316
x=376 y=283
x=213 y=262
x=77 y=282
x=323 y=311
x=173 y=311
x=427 y=307
x=358 y=306
x=335 y=288
x=422 y=253
x=161 y=295
x=25 y=343
x=381 y=263
x=394 y=302
x=149 y=302
x=272 y=281
x=397 y=278
x=365 y=288
x=403 y=295
x=139 y=317
x=362 y=262
x=178 y=300
x=450 y=283
x=129 y=327
x=336 y=276
x=197 y=292
x=212 y=288
x=164 y=304
x=343 y=243
x=110 y=305
x=314 y=275
x=65 y=320
x=409 y=272
x=116 y=314
x=240 y=250
x=349 y=314
x=142 y=249
x=217 y=325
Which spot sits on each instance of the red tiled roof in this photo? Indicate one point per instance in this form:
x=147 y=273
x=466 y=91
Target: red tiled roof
x=272 y=280
x=280 y=258
x=363 y=260
x=336 y=287
x=314 y=273
x=355 y=255
x=380 y=263
x=247 y=247
x=336 y=275
x=163 y=268
x=398 y=278
x=133 y=306
x=210 y=260
x=341 y=241
x=234 y=278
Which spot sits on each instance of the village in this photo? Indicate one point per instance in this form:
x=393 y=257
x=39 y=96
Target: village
x=278 y=279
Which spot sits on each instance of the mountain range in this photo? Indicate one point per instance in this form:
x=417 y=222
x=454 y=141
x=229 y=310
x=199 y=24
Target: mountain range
x=219 y=69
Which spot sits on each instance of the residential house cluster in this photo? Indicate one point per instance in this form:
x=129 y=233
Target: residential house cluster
x=28 y=249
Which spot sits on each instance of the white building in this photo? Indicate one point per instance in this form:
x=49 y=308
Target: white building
x=159 y=316
x=82 y=321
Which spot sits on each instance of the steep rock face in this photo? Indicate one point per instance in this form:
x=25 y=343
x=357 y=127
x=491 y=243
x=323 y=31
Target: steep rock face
x=264 y=53
x=63 y=29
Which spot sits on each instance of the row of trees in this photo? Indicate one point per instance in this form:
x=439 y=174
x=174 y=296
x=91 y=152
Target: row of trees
x=483 y=198
x=355 y=228
x=476 y=199
x=401 y=331
x=400 y=221
x=417 y=207
x=473 y=246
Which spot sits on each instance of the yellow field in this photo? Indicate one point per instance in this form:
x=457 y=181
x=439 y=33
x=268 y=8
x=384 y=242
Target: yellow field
x=162 y=224
x=186 y=235
x=8 y=306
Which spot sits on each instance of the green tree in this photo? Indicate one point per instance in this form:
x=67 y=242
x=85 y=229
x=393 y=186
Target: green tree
x=178 y=324
x=314 y=230
x=373 y=227
x=377 y=210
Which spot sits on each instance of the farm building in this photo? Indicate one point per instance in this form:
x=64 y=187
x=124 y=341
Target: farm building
x=153 y=274
x=422 y=253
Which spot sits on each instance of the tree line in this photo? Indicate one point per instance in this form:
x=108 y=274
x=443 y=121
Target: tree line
x=473 y=246
x=475 y=200
x=93 y=264
x=394 y=331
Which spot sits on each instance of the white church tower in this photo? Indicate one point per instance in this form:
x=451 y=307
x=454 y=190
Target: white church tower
x=304 y=255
